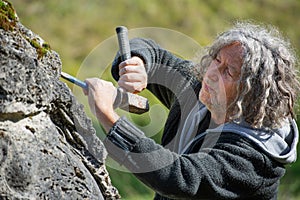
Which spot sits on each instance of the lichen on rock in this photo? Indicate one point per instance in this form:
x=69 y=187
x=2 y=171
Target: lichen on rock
x=48 y=146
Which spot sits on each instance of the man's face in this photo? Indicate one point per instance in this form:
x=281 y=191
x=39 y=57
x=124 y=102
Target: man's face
x=219 y=85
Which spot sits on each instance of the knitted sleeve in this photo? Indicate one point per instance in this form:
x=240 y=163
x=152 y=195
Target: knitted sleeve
x=168 y=75
x=232 y=169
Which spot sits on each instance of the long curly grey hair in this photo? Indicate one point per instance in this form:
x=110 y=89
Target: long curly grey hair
x=268 y=84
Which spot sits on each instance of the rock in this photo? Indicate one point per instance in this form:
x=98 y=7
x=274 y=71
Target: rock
x=48 y=146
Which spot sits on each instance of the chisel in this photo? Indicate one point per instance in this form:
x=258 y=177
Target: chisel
x=124 y=100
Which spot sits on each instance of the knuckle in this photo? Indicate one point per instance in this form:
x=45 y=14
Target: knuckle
x=128 y=62
x=128 y=77
x=122 y=64
x=124 y=77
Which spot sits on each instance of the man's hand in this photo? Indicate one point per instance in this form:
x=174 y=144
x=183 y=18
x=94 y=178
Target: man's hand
x=101 y=95
x=133 y=76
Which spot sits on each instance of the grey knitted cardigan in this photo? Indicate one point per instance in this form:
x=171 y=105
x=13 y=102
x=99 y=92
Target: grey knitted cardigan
x=234 y=167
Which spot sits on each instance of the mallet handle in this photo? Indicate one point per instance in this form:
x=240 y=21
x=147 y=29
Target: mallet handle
x=135 y=103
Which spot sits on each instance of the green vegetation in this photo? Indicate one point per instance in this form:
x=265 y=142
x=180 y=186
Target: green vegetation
x=40 y=48
x=8 y=20
x=8 y=17
x=75 y=27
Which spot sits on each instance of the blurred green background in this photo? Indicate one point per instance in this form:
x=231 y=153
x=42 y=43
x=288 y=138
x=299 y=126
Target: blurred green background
x=73 y=28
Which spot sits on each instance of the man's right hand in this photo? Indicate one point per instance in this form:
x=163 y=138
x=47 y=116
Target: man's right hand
x=133 y=76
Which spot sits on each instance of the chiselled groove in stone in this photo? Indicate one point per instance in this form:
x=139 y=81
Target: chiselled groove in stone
x=16 y=116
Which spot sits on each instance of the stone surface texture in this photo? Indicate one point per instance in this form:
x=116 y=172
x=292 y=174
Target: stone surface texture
x=48 y=146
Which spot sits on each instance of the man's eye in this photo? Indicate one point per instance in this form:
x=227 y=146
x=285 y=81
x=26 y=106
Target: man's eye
x=218 y=59
x=228 y=72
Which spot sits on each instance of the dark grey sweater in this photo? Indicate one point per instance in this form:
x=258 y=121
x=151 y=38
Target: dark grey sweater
x=218 y=163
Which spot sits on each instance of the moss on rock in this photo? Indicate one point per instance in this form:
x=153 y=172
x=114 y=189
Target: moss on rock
x=8 y=16
x=41 y=48
x=9 y=22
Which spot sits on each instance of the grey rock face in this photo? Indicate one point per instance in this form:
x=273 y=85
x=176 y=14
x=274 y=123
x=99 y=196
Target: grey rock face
x=48 y=147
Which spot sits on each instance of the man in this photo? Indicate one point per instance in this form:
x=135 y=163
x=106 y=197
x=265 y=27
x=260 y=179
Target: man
x=230 y=129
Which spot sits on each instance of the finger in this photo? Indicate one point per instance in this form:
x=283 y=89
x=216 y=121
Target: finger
x=90 y=81
x=133 y=77
x=128 y=62
x=123 y=70
x=132 y=61
x=133 y=87
x=129 y=87
x=85 y=91
x=132 y=69
x=93 y=83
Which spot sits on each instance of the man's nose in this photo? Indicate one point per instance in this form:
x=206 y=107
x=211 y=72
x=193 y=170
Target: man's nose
x=213 y=72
